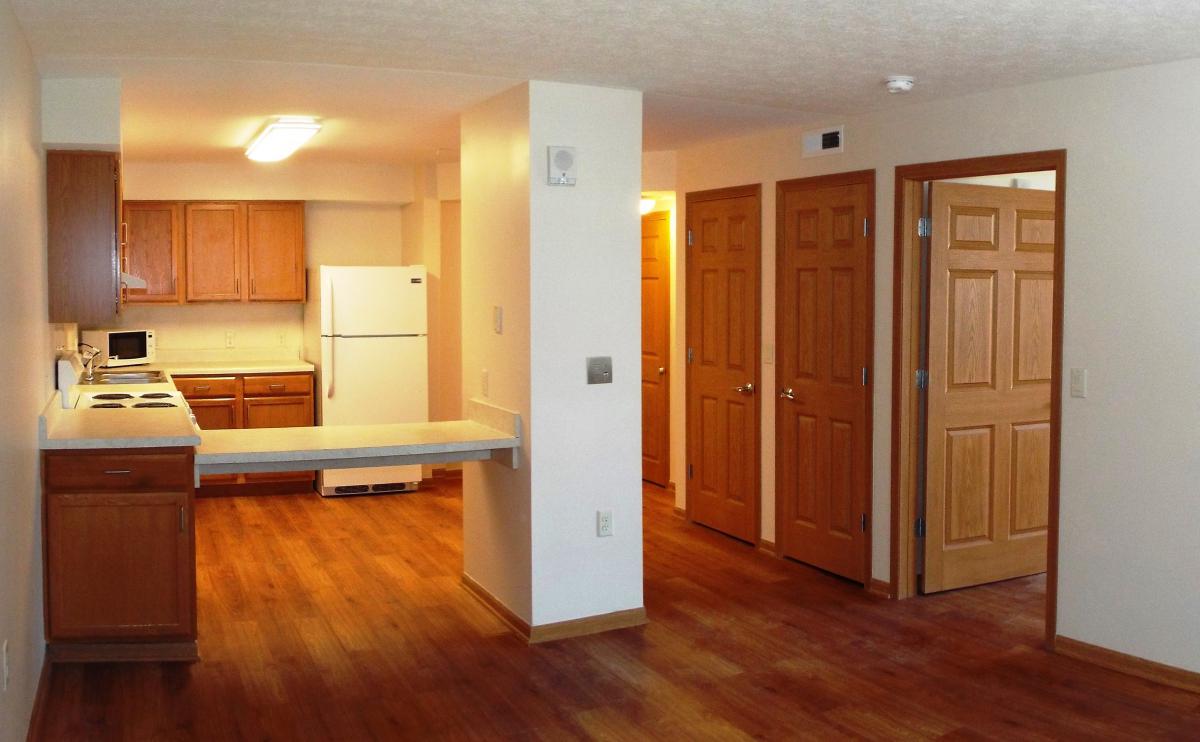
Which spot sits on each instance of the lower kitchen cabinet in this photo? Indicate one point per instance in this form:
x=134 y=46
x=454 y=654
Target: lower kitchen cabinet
x=119 y=550
x=278 y=412
x=221 y=413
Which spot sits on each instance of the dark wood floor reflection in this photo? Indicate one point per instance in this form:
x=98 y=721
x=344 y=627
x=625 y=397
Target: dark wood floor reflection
x=344 y=620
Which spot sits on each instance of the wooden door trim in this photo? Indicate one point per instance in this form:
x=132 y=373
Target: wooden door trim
x=857 y=177
x=716 y=194
x=905 y=317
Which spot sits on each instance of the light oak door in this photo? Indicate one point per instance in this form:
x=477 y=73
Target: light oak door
x=824 y=288
x=991 y=294
x=278 y=412
x=215 y=248
x=656 y=340
x=153 y=250
x=722 y=330
x=275 y=251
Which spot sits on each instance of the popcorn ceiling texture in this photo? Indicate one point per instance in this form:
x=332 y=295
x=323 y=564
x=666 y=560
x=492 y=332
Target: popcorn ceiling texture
x=817 y=55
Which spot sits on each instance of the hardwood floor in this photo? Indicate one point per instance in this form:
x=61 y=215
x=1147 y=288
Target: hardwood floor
x=345 y=620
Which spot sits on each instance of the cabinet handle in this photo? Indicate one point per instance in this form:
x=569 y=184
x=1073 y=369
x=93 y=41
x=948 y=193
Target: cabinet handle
x=237 y=286
x=253 y=287
x=116 y=472
x=274 y=387
x=201 y=388
x=124 y=233
x=181 y=519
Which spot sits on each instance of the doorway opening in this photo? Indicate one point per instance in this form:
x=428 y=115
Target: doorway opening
x=977 y=358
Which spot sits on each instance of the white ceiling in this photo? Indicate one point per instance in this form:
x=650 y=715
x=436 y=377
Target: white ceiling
x=392 y=74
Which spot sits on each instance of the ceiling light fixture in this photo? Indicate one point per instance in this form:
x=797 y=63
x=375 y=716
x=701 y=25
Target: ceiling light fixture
x=281 y=137
x=899 y=83
x=647 y=205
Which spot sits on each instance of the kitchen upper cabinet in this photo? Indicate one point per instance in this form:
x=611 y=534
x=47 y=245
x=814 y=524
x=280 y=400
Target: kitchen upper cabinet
x=82 y=213
x=275 y=250
x=215 y=251
x=153 y=250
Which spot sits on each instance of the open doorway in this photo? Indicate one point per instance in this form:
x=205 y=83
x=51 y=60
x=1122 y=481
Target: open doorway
x=977 y=364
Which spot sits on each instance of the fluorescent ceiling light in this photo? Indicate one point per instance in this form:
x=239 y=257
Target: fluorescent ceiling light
x=647 y=205
x=281 y=137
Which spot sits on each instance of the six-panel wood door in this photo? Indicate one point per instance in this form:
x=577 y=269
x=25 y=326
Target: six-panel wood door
x=823 y=332
x=214 y=247
x=656 y=339
x=723 y=344
x=153 y=250
x=990 y=368
x=275 y=250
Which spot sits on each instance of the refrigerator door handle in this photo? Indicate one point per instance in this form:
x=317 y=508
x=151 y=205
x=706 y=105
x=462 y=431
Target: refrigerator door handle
x=331 y=365
x=327 y=304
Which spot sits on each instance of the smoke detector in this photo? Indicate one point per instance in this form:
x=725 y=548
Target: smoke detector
x=899 y=83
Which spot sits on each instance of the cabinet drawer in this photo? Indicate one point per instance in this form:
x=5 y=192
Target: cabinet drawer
x=206 y=386
x=259 y=386
x=124 y=472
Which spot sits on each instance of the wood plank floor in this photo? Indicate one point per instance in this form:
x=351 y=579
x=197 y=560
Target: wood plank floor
x=345 y=620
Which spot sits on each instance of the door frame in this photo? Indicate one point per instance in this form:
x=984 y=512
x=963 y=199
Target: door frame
x=753 y=191
x=856 y=177
x=905 y=322
x=667 y=355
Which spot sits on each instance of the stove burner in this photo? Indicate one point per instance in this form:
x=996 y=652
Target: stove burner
x=154 y=404
x=107 y=406
x=113 y=395
x=154 y=395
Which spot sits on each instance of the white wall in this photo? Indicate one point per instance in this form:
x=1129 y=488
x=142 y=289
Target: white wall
x=291 y=179
x=1129 y=540
x=26 y=374
x=659 y=170
x=495 y=272
x=82 y=113
x=585 y=299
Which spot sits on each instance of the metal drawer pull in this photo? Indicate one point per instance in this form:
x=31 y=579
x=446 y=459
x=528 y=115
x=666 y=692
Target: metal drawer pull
x=201 y=388
x=276 y=386
x=118 y=471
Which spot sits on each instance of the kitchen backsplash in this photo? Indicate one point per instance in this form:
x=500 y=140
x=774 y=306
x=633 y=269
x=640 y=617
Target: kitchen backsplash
x=216 y=332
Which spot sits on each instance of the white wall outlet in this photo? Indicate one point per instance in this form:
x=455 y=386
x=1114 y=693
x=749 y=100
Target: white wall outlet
x=282 y=339
x=498 y=320
x=1079 y=382
x=604 y=523
x=229 y=338
x=483 y=382
x=5 y=652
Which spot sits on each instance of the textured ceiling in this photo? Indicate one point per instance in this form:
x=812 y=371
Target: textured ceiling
x=767 y=62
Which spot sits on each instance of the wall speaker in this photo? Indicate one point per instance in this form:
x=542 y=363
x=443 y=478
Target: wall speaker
x=562 y=166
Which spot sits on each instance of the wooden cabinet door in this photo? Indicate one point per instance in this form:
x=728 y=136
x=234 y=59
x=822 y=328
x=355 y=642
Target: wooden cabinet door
x=215 y=246
x=216 y=414
x=656 y=341
x=82 y=205
x=722 y=336
x=275 y=251
x=153 y=247
x=823 y=329
x=278 y=412
x=120 y=565
x=991 y=292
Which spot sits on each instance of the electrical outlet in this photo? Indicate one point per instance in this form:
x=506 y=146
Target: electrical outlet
x=483 y=381
x=603 y=522
x=1079 y=382
x=229 y=338
x=5 y=652
x=282 y=340
x=498 y=320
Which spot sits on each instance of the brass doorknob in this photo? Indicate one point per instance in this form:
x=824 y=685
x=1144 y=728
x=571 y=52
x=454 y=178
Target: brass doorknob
x=661 y=370
x=747 y=388
x=787 y=393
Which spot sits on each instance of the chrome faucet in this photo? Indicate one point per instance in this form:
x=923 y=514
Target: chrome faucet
x=89 y=360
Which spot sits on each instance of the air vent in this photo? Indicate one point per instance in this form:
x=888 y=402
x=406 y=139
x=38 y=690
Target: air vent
x=829 y=141
x=354 y=489
x=390 y=487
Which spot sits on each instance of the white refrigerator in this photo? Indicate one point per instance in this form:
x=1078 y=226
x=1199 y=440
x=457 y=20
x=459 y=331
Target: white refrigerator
x=372 y=361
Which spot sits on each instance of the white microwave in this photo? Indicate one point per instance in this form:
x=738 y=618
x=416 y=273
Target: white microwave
x=120 y=347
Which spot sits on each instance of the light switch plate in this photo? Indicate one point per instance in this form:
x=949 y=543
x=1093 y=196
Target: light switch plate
x=498 y=320
x=1079 y=382
x=599 y=370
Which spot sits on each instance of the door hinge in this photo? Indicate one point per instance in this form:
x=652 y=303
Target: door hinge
x=689 y=238
x=866 y=227
x=866 y=376
x=862 y=522
x=922 y=378
x=919 y=528
x=691 y=355
x=689 y=471
x=923 y=229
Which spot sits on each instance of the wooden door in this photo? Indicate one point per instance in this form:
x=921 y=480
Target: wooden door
x=991 y=303
x=656 y=340
x=119 y=565
x=215 y=248
x=278 y=412
x=153 y=247
x=723 y=338
x=275 y=251
x=824 y=288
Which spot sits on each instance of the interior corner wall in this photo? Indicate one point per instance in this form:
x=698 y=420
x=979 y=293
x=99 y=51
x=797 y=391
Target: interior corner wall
x=1128 y=505
x=585 y=298
x=26 y=372
x=496 y=273
x=82 y=113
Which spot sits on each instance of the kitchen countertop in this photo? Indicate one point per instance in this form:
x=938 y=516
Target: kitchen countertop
x=232 y=367
x=101 y=428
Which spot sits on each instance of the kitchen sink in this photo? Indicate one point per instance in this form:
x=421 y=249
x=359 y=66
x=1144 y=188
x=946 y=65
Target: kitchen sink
x=126 y=377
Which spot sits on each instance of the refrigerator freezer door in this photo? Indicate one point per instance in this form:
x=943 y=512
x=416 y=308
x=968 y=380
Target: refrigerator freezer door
x=374 y=380
x=363 y=301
